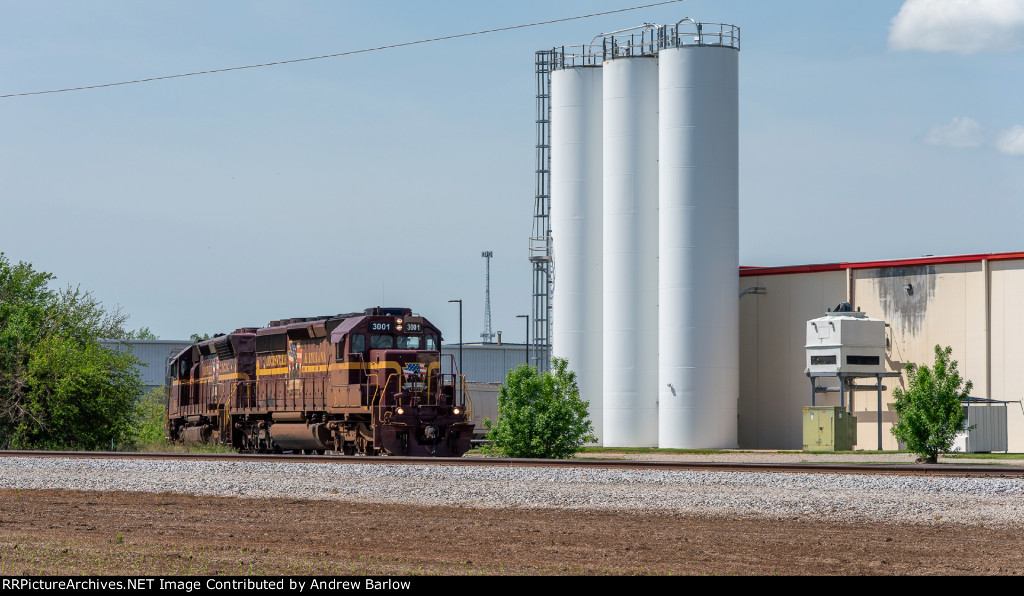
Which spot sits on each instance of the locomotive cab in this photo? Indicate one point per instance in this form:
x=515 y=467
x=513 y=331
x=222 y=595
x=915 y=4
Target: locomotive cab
x=412 y=403
x=418 y=413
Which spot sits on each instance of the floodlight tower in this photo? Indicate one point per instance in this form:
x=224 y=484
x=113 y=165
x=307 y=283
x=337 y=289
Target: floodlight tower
x=487 y=335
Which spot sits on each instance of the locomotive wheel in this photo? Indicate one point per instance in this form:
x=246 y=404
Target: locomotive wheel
x=348 y=448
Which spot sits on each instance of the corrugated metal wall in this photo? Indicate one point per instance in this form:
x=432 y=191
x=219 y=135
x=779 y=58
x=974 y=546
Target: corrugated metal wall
x=485 y=363
x=152 y=353
x=989 y=433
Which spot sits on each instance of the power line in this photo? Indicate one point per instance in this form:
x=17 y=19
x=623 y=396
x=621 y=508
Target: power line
x=349 y=53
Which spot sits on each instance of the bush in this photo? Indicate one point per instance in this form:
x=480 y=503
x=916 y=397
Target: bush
x=59 y=388
x=540 y=415
x=150 y=421
x=930 y=411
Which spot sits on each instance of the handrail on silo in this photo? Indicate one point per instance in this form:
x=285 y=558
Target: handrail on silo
x=648 y=27
x=700 y=37
x=612 y=48
x=613 y=33
x=705 y=34
x=573 y=56
x=652 y=39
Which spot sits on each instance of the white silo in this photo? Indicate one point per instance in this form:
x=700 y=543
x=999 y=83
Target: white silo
x=698 y=234
x=576 y=189
x=630 y=251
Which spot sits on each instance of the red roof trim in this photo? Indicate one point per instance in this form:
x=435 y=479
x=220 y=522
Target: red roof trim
x=756 y=271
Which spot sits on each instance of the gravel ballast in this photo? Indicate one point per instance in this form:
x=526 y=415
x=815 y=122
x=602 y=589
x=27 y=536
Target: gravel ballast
x=838 y=497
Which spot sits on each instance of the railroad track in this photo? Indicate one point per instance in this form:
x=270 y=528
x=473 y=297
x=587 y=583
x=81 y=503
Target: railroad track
x=954 y=470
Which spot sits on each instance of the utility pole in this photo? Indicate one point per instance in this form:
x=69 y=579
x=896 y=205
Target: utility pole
x=527 y=317
x=487 y=335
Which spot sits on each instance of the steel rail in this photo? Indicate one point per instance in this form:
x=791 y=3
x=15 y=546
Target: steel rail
x=900 y=469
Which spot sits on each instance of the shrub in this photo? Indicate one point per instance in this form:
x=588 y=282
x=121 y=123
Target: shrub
x=59 y=388
x=930 y=411
x=149 y=425
x=540 y=415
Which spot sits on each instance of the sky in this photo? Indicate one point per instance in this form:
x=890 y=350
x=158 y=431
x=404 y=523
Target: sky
x=868 y=130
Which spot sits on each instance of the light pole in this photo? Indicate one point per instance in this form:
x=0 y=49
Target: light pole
x=527 y=317
x=460 y=335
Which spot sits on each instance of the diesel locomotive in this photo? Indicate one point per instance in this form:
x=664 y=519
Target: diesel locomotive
x=369 y=382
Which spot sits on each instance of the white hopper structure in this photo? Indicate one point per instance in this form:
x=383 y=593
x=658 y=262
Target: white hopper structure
x=698 y=237
x=667 y=136
x=630 y=252
x=576 y=206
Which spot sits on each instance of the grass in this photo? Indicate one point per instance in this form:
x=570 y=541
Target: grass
x=652 y=450
x=639 y=450
x=149 y=429
x=585 y=451
x=984 y=455
x=162 y=446
x=854 y=452
x=30 y=556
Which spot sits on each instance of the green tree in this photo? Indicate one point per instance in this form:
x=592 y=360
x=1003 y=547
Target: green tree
x=140 y=333
x=151 y=419
x=59 y=388
x=930 y=412
x=540 y=415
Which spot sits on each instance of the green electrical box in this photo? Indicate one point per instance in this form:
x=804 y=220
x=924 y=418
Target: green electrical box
x=829 y=428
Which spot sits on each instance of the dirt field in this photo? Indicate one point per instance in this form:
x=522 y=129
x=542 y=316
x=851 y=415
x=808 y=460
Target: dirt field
x=69 y=533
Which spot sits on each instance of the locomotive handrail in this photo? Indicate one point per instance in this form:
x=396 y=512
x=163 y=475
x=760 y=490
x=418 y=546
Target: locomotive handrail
x=223 y=417
x=364 y=372
x=379 y=393
x=467 y=400
x=456 y=374
x=362 y=362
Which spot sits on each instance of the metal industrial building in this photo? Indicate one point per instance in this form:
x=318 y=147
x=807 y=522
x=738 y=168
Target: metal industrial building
x=485 y=365
x=153 y=353
x=484 y=362
x=967 y=302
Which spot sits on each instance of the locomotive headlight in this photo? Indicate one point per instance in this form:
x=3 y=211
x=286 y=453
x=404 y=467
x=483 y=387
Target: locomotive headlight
x=456 y=411
x=400 y=411
x=399 y=320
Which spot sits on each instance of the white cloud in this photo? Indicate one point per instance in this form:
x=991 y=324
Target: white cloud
x=961 y=26
x=961 y=132
x=1011 y=141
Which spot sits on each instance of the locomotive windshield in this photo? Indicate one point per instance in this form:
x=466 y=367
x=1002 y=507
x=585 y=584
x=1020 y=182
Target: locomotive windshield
x=402 y=342
x=381 y=342
x=409 y=342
